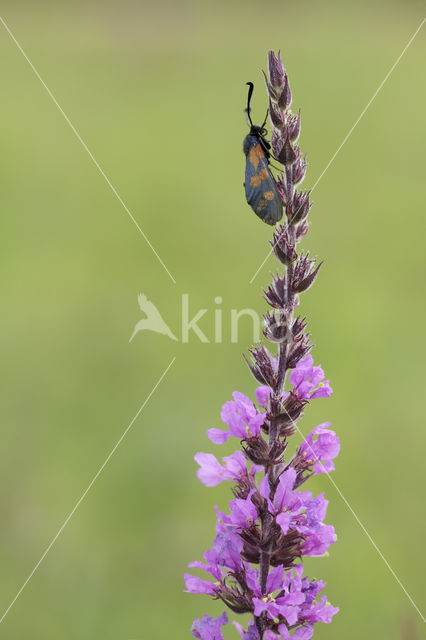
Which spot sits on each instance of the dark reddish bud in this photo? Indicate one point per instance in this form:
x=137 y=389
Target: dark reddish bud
x=274 y=405
x=302 y=230
x=300 y=207
x=299 y=167
x=299 y=325
x=274 y=330
x=304 y=273
x=237 y=601
x=262 y=367
x=303 y=468
x=283 y=247
x=291 y=411
x=246 y=483
x=276 y=116
x=288 y=547
x=270 y=89
x=276 y=142
x=284 y=99
x=276 y=294
x=282 y=189
x=276 y=70
x=293 y=124
x=258 y=452
x=252 y=541
x=284 y=548
x=299 y=350
x=287 y=154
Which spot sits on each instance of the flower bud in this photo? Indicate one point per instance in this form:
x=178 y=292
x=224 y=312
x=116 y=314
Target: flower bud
x=287 y=155
x=293 y=124
x=304 y=273
x=302 y=230
x=288 y=548
x=300 y=207
x=276 y=70
x=270 y=89
x=276 y=142
x=262 y=367
x=299 y=325
x=282 y=246
x=299 y=350
x=274 y=330
x=258 y=452
x=299 y=167
x=246 y=483
x=276 y=294
x=291 y=411
x=281 y=188
x=276 y=116
x=284 y=99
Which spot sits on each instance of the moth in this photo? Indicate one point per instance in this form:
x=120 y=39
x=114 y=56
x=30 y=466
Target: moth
x=261 y=191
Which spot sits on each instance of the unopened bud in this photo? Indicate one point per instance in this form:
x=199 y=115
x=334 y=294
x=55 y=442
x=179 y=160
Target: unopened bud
x=276 y=69
x=284 y=99
x=287 y=155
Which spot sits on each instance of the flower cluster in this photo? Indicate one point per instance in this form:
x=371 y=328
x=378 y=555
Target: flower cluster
x=255 y=563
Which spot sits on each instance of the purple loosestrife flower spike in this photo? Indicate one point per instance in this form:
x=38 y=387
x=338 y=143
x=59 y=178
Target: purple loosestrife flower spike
x=255 y=564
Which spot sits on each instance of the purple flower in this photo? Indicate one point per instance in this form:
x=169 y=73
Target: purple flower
x=263 y=394
x=283 y=593
x=197 y=585
x=243 y=511
x=318 y=536
x=286 y=503
x=308 y=381
x=212 y=473
x=320 y=447
x=251 y=633
x=270 y=635
x=311 y=611
x=242 y=418
x=321 y=611
x=226 y=549
x=299 y=510
x=209 y=628
x=224 y=556
x=302 y=633
x=318 y=541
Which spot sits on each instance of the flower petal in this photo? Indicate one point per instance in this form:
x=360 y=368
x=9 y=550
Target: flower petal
x=217 y=436
x=284 y=521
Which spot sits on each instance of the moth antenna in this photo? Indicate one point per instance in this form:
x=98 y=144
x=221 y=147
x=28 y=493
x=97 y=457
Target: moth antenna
x=248 y=109
x=266 y=117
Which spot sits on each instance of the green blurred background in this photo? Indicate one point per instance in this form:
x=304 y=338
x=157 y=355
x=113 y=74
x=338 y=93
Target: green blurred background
x=157 y=91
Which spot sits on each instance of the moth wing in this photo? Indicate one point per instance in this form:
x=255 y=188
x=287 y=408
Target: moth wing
x=260 y=187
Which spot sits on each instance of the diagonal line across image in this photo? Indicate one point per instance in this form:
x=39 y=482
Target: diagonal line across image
x=86 y=491
x=360 y=523
x=86 y=148
x=358 y=520
x=351 y=130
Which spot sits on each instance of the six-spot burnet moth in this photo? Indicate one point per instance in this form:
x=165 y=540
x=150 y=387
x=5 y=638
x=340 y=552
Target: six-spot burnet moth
x=261 y=190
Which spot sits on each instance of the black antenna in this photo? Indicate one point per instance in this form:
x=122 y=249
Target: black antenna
x=266 y=117
x=250 y=93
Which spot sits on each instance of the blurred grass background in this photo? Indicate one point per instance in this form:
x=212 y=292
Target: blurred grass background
x=157 y=91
